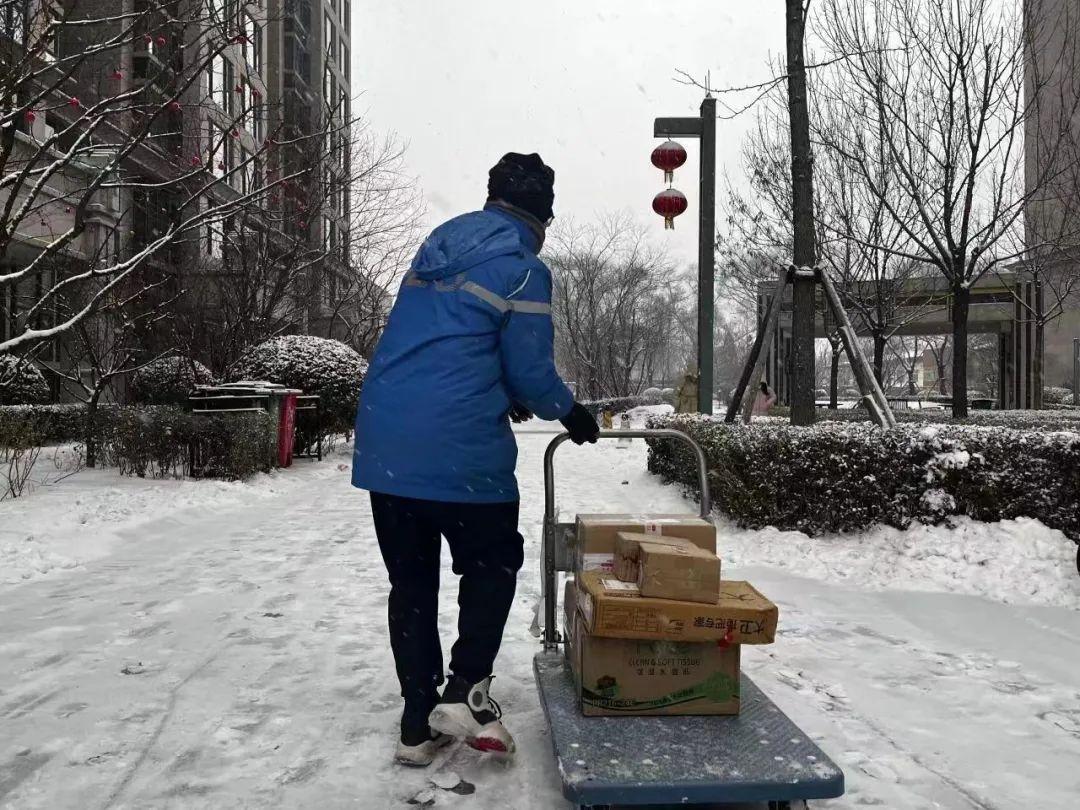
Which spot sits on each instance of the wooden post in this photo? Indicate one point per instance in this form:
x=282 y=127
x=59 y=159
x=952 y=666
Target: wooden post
x=878 y=404
x=706 y=255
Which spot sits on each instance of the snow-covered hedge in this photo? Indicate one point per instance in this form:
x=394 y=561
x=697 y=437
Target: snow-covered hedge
x=315 y=365
x=168 y=381
x=651 y=396
x=1057 y=395
x=21 y=383
x=164 y=441
x=154 y=441
x=1062 y=418
x=845 y=477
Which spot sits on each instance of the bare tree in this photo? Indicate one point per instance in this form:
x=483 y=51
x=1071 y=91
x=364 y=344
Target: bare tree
x=939 y=84
x=616 y=306
x=108 y=345
x=112 y=158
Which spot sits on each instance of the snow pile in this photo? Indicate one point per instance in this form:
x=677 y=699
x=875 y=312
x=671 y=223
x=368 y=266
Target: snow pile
x=1013 y=561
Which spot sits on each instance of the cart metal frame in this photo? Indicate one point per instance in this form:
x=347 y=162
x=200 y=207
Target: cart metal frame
x=758 y=758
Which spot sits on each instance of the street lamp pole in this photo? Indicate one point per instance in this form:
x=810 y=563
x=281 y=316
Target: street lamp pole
x=704 y=129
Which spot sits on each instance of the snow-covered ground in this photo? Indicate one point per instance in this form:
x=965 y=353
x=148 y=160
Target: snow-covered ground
x=210 y=645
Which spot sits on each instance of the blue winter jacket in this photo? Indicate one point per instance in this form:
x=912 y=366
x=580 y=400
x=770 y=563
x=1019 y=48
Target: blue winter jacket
x=470 y=333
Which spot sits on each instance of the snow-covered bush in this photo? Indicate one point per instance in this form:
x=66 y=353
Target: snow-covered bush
x=1057 y=395
x=315 y=365
x=21 y=383
x=654 y=396
x=618 y=404
x=835 y=477
x=164 y=441
x=168 y=381
x=1064 y=419
x=50 y=424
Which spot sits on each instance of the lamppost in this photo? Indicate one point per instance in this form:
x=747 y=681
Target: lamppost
x=704 y=129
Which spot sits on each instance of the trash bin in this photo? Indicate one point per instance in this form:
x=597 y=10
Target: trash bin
x=281 y=405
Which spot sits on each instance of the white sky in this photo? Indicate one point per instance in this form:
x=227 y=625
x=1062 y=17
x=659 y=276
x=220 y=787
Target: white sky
x=579 y=82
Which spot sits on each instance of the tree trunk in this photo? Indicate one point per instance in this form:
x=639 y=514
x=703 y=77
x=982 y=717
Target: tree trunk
x=911 y=389
x=1037 y=367
x=834 y=376
x=879 y=359
x=961 y=305
x=91 y=429
x=802 y=216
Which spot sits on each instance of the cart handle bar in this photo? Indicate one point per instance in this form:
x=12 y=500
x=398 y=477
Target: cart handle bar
x=678 y=435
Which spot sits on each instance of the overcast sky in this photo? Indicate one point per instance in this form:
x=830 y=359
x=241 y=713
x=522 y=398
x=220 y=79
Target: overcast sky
x=577 y=81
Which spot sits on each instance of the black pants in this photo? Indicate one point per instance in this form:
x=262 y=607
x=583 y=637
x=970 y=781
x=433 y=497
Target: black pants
x=487 y=551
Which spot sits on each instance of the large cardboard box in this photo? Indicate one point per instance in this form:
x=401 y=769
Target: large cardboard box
x=621 y=677
x=596 y=535
x=615 y=609
x=667 y=567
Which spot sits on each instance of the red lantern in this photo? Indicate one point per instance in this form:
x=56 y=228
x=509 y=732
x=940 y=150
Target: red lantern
x=195 y=160
x=174 y=106
x=160 y=41
x=667 y=157
x=31 y=116
x=73 y=102
x=117 y=74
x=669 y=203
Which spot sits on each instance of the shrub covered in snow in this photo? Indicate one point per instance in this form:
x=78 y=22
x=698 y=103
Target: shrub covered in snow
x=315 y=365
x=1056 y=395
x=155 y=441
x=1063 y=418
x=168 y=381
x=21 y=383
x=50 y=424
x=834 y=477
x=620 y=404
x=158 y=442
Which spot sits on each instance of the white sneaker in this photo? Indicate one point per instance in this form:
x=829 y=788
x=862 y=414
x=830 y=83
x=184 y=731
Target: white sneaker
x=421 y=755
x=466 y=711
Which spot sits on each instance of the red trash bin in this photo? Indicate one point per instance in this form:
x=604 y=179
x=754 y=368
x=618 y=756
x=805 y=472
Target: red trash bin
x=286 y=426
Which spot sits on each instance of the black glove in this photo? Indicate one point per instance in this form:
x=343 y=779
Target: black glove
x=519 y=413
x=581 y=425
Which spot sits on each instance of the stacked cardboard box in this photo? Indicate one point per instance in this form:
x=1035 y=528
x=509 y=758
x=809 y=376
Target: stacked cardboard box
x=634 y=649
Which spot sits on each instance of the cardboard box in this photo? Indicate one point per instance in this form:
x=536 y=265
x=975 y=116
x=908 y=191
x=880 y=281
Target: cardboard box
x=618 y=677
x=615 y=609
x=667 y=567
x=596 y=535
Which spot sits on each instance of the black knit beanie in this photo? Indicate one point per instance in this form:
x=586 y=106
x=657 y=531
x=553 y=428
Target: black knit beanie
x=525 y=182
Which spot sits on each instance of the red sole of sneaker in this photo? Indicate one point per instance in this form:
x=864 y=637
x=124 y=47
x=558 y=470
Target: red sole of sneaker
x=487 y=744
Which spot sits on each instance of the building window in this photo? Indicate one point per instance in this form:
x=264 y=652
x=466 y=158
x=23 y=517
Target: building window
x=220 y=73
x=346 y=67
x=328 y=36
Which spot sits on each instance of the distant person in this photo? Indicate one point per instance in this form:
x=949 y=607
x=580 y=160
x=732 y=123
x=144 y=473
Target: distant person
x=686 y=401
x=764 y=400
x=467 y=348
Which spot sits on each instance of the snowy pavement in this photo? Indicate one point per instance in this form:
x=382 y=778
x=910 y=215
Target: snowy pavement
x=212 y=645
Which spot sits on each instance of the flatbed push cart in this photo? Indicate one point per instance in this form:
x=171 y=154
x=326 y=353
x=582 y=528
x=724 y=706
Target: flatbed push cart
x=756 y=759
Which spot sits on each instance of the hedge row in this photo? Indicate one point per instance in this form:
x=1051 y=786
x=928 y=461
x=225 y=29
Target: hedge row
x=1062 y=418
x=834 y=477
x=153 y=442
x=622 y=404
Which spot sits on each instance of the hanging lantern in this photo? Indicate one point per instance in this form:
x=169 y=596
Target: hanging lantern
x=667 y=157
x=73 y=102
x=117 y=74
x=160 y=41
x=669 y=203
x=195 y=160
x=30 y=116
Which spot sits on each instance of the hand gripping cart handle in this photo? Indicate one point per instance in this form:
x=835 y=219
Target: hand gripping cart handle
x=560 y=540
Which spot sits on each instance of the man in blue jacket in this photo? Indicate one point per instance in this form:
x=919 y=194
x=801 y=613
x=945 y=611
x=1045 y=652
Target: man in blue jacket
x=468 y=347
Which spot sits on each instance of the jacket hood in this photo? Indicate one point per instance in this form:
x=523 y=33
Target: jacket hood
x=467 y=241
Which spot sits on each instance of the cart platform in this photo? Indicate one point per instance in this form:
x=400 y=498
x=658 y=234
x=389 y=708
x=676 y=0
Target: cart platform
x=756 y=756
